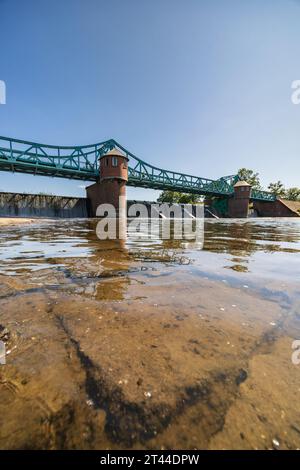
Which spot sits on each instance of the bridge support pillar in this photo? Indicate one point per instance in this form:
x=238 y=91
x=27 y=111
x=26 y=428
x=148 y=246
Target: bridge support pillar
x=111 y=186
x=238 y=205
x=217 y=206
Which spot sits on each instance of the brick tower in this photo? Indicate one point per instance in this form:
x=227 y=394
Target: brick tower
x=111 y=187
x=238 y=205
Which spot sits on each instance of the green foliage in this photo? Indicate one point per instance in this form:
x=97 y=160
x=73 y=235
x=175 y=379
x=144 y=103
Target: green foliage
x=277 y=188
x=168 y=196
x=174 y=197
x=293 y=194
x=250 y=177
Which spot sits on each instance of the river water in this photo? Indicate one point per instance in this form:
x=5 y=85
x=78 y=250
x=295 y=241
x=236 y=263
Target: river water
x=155 y=343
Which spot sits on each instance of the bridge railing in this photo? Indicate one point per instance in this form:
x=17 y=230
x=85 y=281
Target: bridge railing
x=20 y=155
x=81 y=162
x=164 y=179
x=260 y=195
x=147 y=175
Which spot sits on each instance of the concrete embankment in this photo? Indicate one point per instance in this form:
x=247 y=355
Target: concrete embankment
x=40 y=205
x=28 y=206
x=47 y=206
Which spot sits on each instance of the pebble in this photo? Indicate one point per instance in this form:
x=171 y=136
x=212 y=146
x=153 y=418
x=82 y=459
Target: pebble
x=275 y=442
x=148 y=394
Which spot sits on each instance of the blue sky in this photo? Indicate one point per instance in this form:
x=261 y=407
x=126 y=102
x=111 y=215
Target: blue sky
x=199 y=86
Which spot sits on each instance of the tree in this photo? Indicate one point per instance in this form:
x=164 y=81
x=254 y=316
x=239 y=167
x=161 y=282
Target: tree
x=250 y=177
x=277 y=188
x=174 y=197
x=168 y=196
x=293 y=194
x=189 y=198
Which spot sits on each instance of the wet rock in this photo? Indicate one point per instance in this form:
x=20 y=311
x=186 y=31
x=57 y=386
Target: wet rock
x=4 y=333
x=242 y=376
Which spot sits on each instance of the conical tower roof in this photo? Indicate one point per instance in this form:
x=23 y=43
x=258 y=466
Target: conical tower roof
x=241 y=183
x=114 y=153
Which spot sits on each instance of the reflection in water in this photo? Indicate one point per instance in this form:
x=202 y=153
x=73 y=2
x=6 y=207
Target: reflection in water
x=150 y=343
x=67 y=255
x=241 y=246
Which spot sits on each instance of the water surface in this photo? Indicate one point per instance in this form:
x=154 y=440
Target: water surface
x=150 y=343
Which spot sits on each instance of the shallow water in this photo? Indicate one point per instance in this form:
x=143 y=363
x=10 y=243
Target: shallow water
x=150 y=343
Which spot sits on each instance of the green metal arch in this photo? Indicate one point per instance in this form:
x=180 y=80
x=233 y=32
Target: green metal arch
x=81 y=162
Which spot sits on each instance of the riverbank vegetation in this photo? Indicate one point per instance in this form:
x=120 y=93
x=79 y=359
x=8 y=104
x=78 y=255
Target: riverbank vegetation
x=277 y=187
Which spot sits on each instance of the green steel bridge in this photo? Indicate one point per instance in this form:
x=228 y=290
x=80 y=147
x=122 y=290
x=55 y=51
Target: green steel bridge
x=81 y=163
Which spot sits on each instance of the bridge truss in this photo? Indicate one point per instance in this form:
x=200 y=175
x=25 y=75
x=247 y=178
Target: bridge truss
x=81 y=163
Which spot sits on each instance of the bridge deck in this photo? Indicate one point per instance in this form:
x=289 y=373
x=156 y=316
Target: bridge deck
x=81 y=163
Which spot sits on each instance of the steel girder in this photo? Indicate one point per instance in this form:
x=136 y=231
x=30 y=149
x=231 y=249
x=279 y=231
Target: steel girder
x=81 y=163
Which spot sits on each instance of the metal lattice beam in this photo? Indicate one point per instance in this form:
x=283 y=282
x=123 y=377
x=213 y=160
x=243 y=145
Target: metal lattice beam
x=81 y=163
